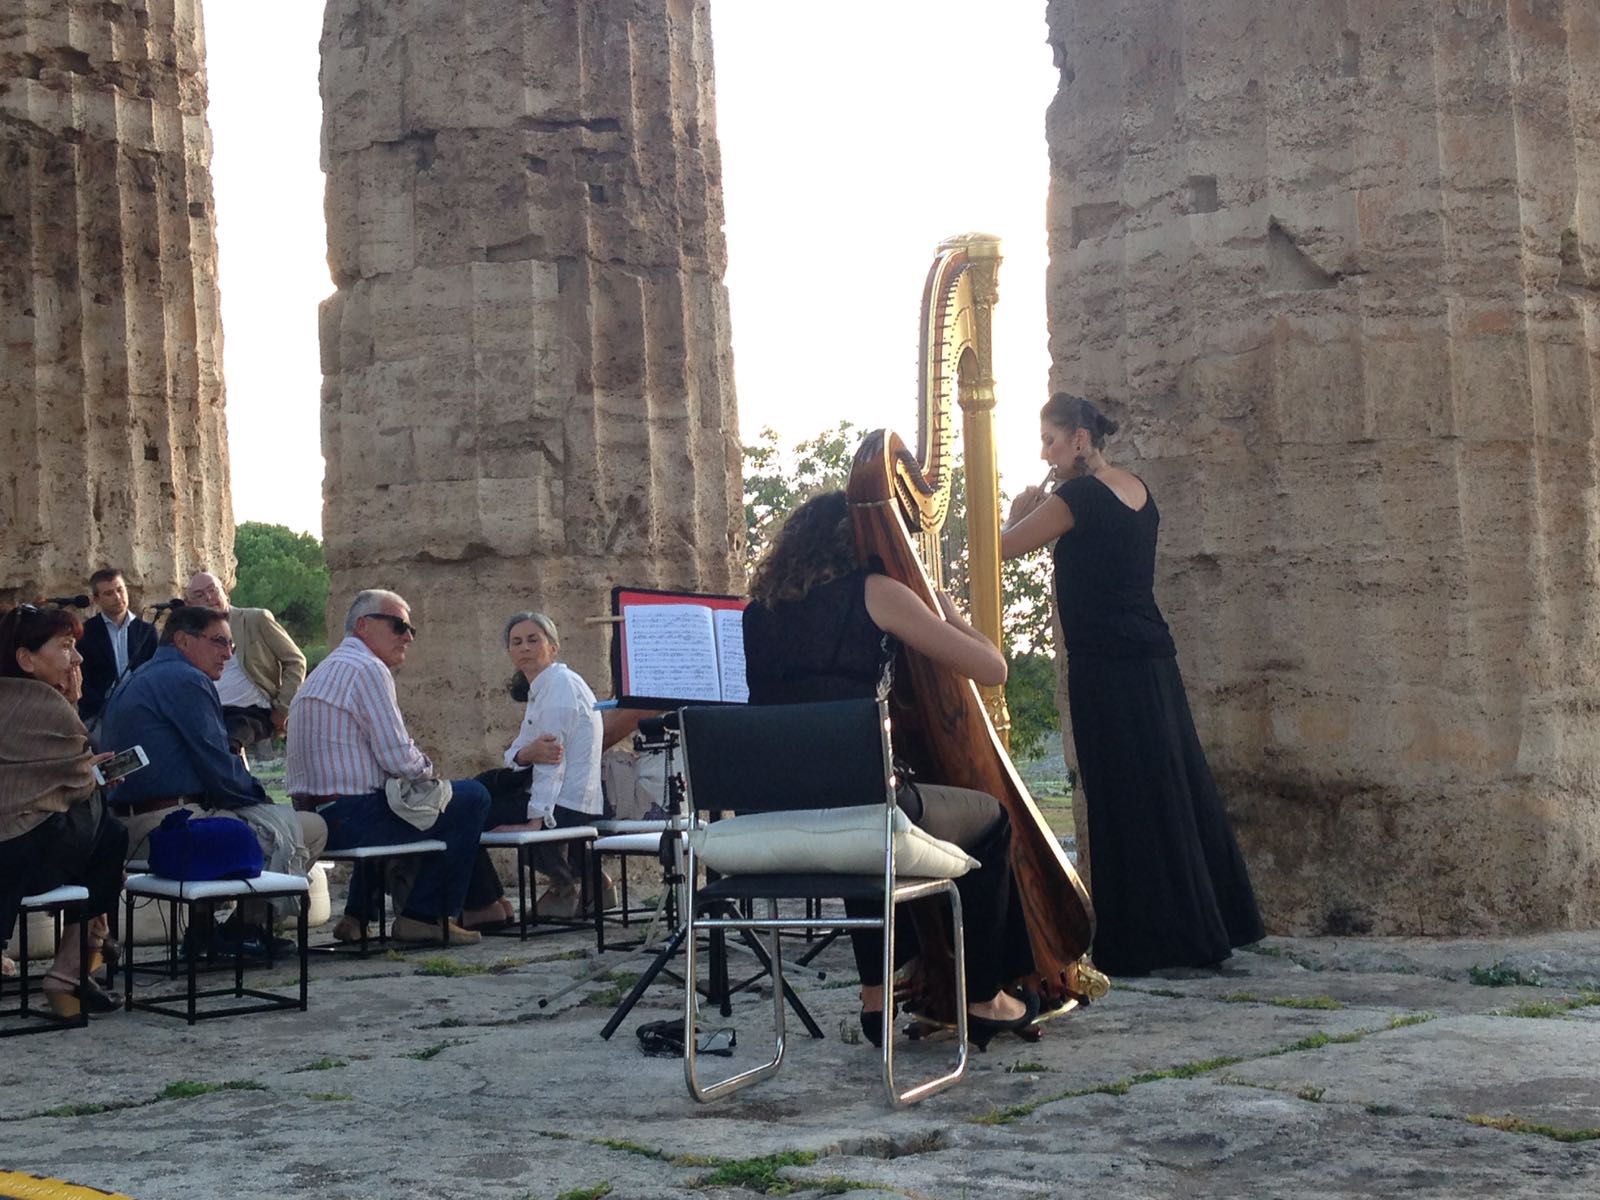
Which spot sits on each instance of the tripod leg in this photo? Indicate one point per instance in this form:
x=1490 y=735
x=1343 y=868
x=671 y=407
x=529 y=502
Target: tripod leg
x=660 y=961
x=765 y=959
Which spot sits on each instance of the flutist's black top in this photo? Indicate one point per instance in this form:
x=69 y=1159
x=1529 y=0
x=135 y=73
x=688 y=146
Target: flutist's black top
x=1105 y=575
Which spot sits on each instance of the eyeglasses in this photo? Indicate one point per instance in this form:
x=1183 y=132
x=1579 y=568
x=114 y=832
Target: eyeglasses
x=216 y=639
x=400 y=625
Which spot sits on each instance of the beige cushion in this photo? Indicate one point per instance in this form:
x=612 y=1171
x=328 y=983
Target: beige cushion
x=845 y=841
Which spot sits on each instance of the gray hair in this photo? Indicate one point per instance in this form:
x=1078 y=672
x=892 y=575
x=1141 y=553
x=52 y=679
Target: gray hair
x=368 y=603
x=546 y=625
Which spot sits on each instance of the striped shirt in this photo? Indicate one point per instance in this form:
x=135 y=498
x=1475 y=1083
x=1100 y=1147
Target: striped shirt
x=346 y=734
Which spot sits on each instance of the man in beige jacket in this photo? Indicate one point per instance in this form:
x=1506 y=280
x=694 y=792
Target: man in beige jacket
x=260 y=679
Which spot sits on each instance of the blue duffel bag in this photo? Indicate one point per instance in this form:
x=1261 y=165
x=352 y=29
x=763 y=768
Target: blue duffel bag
x=200 y=848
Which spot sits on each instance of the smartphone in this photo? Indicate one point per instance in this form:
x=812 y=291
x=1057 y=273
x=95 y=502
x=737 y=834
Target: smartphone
x=123 y=762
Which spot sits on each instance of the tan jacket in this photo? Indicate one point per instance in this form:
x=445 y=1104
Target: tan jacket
x=267 y=653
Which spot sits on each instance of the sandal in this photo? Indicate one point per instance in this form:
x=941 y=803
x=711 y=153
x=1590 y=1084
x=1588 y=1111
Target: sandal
x=68 y=1000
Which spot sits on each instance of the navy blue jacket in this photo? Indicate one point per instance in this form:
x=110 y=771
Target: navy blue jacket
x=170 y=708
x=100 y=662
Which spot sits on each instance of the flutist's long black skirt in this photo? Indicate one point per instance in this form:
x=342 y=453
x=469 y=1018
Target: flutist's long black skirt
x=1170 y=886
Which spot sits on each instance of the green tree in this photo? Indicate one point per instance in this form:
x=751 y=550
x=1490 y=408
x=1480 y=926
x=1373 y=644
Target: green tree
x=286 y=572
x=778 y=481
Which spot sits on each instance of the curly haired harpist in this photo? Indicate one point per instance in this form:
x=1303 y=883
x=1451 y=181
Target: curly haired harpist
x=814 y=546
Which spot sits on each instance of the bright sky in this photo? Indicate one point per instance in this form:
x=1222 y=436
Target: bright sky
x=854 y=138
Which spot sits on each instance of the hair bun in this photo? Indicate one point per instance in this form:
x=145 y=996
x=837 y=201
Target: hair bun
x=1107 y=426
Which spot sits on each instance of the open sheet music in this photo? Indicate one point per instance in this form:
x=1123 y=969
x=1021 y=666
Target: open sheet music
x=673 y=648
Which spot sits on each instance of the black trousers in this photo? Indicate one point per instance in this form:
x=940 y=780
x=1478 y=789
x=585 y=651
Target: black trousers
x=82 y=847
x=563 y=865
x=996 y=937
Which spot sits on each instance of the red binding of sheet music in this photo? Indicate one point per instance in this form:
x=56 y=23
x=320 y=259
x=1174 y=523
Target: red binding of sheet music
x=674 y=648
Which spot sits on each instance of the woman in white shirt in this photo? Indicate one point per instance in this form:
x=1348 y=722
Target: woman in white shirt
x=551 y=777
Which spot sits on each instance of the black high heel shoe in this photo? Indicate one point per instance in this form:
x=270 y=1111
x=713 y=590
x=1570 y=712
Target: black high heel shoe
x=872 y=1027
x=981 y=1030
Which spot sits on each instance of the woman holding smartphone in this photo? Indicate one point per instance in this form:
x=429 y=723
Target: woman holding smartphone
x=54 y=830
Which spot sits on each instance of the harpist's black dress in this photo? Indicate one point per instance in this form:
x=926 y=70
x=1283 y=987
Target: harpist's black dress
x=1170 y=886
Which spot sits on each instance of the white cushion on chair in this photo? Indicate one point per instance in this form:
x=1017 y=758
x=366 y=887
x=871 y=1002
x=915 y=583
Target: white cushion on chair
x=843 y=841
x=532 y=837
x=628 y=843
x=425 y=846
x=56 y=897
x=268 y=883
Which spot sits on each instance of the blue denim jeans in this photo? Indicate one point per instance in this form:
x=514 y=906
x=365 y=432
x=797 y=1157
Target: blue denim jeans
x=441 y=883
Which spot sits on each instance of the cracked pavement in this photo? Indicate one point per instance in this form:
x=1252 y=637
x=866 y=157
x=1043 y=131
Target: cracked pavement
x=1306 y=1067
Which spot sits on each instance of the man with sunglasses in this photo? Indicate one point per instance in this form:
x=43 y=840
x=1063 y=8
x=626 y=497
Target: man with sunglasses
x=170 y=708
x=347 y=740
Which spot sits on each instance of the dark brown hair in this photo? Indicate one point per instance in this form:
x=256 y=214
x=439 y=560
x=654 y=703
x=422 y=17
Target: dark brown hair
x=28 y=628
x=192 y=619
x=815 y=546
x=1070 y=412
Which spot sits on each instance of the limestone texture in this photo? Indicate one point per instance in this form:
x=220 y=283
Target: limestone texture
x=113 y=440
x=1336 y=266
x=528 y=386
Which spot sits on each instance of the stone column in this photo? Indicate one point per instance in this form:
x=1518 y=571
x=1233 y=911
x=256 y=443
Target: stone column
x=1337 y=266
x=528 y=385
x=113 y=443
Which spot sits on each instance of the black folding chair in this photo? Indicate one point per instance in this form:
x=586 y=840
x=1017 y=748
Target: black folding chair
x=791 y=757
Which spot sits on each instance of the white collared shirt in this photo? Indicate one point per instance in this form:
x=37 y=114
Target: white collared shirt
x=119 y=639
x=560 y=702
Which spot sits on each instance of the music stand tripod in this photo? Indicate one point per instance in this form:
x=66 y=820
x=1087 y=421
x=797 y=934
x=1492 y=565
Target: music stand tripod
x=661 y=736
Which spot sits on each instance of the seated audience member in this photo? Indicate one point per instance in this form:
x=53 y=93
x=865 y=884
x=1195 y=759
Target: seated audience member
x=552 y=774
x=170 y=708
x=53 y=825
x=347 y=739
x=114 y=641
x=258 y=683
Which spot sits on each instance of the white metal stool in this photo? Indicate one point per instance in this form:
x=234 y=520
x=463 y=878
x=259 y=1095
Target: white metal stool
x=267 y=885
x=523 y=841
x=53 y=901
x=381 y=857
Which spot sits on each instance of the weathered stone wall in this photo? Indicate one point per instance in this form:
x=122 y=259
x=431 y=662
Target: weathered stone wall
x=528 y=386
x=113 y=443
x=1338 y=266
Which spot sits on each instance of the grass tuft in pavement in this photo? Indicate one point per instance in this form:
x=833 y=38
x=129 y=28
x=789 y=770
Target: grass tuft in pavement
x=587 y=1193
x=760 y=1174
x=434 y=1050
x=1421 y=1018
x=628 y=1147
x=187 y=1089
x=1512 y=1124
x=1502 y=974
x=321 y=1064
x=1550 y=1008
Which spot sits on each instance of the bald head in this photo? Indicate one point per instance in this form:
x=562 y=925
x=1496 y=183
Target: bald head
x=206 y=589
